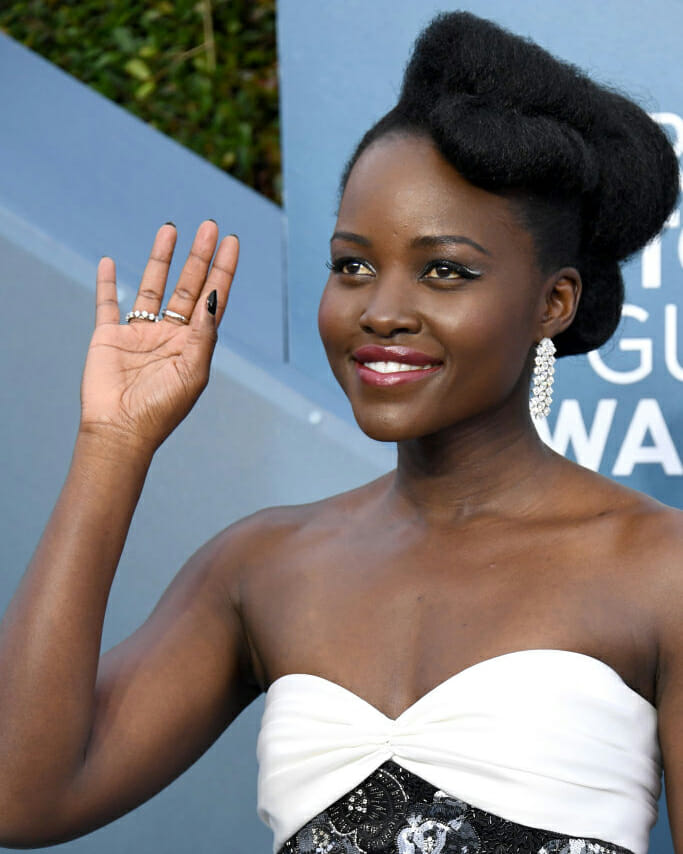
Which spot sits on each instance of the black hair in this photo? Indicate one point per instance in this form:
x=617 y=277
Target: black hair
x=592 y=175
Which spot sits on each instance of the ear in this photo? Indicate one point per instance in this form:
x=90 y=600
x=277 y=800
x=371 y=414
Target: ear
x=559 y=300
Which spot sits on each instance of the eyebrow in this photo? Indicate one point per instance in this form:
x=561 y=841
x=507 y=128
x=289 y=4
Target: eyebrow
x=352 y=237
x=428 y=240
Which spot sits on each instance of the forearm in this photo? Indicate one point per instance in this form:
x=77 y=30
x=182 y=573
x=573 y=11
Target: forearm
x=50 y=636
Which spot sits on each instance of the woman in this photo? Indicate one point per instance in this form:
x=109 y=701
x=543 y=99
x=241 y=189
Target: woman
x=479 y=650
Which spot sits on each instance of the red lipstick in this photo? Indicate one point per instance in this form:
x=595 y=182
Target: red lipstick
x=381 y=366
x=404 y=355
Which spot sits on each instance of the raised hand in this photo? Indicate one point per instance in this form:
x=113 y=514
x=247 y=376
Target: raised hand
x=142 y=378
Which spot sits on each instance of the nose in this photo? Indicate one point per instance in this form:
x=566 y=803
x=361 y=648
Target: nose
x=389 y=309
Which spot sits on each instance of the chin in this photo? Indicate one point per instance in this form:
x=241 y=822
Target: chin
x=387 y=429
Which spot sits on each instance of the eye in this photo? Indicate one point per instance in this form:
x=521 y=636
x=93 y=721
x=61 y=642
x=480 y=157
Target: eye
x=448 y=270
x=350 y=267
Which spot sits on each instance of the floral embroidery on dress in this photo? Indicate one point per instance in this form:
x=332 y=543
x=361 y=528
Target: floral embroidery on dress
x=372 y=813
x=575 y=846
x=395 y=812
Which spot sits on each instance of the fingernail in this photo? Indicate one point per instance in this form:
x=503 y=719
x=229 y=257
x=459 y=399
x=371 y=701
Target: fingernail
x=212 y=302
x=211 y=219
x=233 y=235
x=170 y=223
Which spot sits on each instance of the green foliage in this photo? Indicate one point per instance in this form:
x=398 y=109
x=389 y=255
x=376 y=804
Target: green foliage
x=204 y=73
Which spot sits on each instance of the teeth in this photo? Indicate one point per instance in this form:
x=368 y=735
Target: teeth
x=395 y=367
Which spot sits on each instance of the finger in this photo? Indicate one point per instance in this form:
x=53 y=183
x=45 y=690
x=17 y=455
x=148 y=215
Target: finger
x=106 y=302
x=153 y=282
x=221 y=275
x=193 y=275
x=201 y=341
x=204 y=323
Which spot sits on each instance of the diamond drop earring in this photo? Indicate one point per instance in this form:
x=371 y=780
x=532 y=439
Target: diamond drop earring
x=544 y=370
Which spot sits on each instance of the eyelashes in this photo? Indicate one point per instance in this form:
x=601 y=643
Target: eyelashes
x=441 y=269
x=350 y=266
x=451 y=269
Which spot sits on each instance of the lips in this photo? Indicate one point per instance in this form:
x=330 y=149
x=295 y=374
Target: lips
x=401 y=355
x=389 y=366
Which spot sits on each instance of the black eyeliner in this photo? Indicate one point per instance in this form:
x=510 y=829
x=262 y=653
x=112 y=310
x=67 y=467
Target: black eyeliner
x=338 y=264
x=463 y=271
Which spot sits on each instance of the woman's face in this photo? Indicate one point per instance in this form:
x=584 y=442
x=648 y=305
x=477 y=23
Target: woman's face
x=434 y=297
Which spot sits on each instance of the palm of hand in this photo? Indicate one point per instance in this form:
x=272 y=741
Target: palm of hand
x=142 y=378
x=137 y=378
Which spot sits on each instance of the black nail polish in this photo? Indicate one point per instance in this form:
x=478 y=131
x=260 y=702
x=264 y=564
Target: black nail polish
x=232 y=234
x=170 y=223
x=211 y=219
x=212 y=302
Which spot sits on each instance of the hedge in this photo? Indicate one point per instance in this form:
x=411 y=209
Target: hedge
x=204 y=73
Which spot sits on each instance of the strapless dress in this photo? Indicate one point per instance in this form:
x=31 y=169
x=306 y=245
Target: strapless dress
x=544 y=751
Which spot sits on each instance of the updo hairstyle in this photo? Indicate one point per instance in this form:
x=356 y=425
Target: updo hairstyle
x=593 y=177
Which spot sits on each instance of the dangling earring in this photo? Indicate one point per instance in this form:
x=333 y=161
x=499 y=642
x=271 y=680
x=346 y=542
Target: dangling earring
x=544 y=370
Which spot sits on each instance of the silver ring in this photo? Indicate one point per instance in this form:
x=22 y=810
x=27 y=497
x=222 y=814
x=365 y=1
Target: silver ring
x=173 y=315
x=142 y=315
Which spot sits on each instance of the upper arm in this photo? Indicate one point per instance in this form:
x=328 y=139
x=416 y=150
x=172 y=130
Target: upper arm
x=165 y=693
x=670 y=677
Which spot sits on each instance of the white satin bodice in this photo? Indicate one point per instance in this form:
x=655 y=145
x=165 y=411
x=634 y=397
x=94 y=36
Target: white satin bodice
x=546 y=738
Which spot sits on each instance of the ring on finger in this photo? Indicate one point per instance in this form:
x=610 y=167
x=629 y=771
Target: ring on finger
x=167 y=314
x=142 y=315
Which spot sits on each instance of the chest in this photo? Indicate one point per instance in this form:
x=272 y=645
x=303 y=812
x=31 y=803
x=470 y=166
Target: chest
x=392 y=615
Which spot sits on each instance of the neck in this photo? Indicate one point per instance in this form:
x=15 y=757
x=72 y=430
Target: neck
x=490 y=465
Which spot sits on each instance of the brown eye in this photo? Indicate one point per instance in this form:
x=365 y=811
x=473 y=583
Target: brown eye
x=350 y=267
x=355 y=268
x=442 y=271
x=448 y=271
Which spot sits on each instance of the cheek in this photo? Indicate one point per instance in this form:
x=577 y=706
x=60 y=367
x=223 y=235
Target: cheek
x=489 y=341
x=472 y=322
x=334 y=319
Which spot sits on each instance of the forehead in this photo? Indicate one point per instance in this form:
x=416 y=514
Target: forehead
x=404 y=184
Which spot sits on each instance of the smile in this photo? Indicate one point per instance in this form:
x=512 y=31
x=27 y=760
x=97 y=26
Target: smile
x=407 y=366
x=395 y=367
x=390 y=374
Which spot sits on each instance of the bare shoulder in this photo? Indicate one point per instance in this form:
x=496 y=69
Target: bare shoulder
x=257 y=542
x=651 y=532
x=652 y=541
x=268 y=567
x=642 y=524
x=632 y=541
x=655 y=542
x=644 y=539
